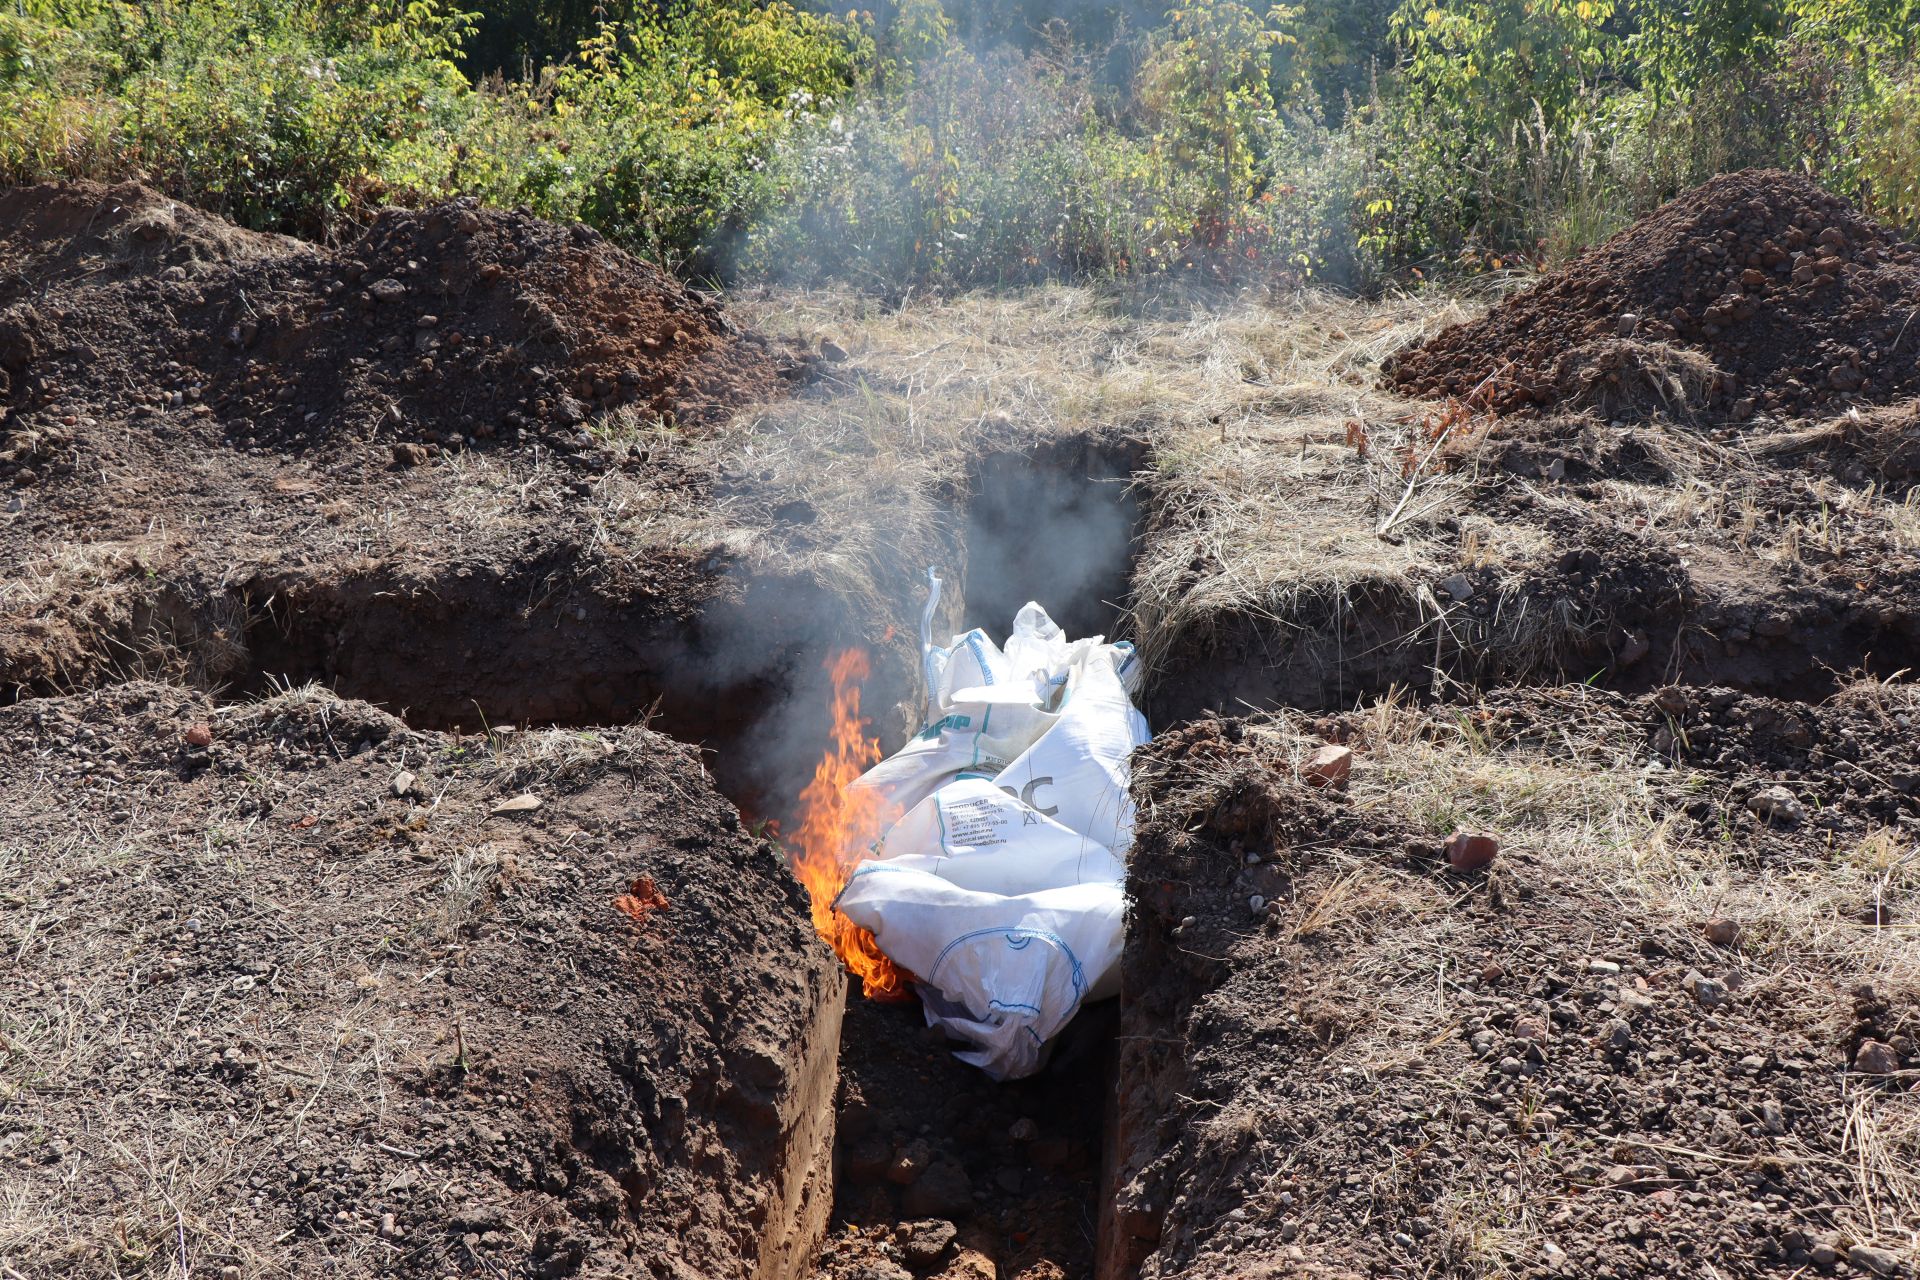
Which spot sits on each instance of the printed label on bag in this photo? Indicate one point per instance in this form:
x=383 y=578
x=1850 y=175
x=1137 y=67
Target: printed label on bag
x=977 y=824
x=1029 y=793
x=933 y=730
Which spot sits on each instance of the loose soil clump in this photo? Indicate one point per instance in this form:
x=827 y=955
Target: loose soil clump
x=1755 y=292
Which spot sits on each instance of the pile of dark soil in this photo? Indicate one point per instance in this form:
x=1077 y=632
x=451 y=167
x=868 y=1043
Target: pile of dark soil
x=332 y=1005
x=1755 y=292
x=1582 y=1088
x=438 y=327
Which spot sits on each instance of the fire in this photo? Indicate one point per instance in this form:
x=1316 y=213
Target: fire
x=837 y=821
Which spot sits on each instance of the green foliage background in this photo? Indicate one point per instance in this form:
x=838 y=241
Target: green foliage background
x=987 y=142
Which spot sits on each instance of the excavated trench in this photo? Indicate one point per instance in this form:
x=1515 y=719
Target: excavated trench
x=733 y=660
x=736 y=662
x=742 y=672
x=740 y=669
x=1060 y=525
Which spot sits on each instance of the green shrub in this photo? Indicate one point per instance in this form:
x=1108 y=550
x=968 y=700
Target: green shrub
x=275 y=115
x=1884 y=164
x=1363 y=142
x=658 y=130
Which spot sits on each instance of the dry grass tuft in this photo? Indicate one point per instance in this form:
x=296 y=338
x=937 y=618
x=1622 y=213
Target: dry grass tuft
x=467 y=893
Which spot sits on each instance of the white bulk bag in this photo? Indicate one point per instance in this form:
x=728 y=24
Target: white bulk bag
x=1076 y=769
x=1001 y=883
x=1003 y=972
x=975 y=835
x=977 y=735
x=984 y=707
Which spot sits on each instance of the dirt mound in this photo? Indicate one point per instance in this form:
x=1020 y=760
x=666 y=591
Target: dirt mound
x=1790 y=294
x=358 y=1017
x=1371 y=1075
x=438 y=327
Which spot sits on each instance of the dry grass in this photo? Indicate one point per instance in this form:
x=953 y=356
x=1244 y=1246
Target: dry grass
x=468 y=891
x=89 y=612
x=70 y=986
x=1729 y=493
x=1589 y=801
x=117 y=1053
x=1244 y=409
x=1602 y=822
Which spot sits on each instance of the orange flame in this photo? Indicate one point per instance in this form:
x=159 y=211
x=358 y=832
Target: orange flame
x=837 y=822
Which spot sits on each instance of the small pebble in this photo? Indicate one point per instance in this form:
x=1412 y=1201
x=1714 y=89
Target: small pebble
x=1722 y=933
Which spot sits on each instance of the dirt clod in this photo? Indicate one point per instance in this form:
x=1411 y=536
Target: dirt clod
x=1469 y=851
x=1329 y=766
x=1777 y=805
x=1880 y=1262
x=927 y=1242
x=1876 y=1059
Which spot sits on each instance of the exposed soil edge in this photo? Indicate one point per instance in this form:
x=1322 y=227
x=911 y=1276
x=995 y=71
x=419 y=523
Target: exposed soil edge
x=1663 y=627
x=803 y=1193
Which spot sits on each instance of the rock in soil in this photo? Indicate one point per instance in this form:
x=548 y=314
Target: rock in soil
x=1329 y=766
x=1779 y=806
x=1876 y=1059
x=1469 y=851
x=927 y=1243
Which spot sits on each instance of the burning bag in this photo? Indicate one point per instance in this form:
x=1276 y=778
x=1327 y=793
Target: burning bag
x=1002 y=884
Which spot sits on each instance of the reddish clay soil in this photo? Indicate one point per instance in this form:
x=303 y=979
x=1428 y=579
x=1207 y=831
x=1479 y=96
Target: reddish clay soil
x=1795 y=301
